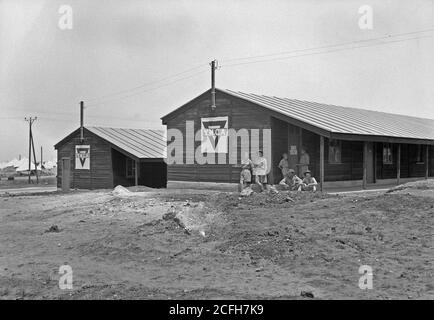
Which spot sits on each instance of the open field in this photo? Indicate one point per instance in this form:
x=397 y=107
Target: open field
x=179 y=243
x=23 y=182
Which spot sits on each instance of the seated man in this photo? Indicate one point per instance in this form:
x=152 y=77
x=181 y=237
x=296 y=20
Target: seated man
x=309 y=183
x=291 y=181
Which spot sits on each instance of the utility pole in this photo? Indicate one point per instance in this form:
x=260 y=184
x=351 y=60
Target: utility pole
x=30 y=121
x=41 y=158
x=34 y=160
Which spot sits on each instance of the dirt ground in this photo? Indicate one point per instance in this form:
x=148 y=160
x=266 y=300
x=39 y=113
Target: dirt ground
x=192 y=244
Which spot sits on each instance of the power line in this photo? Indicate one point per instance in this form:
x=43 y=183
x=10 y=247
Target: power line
x=58 y=119
x=96 y=117
x=43 y=118
x=147 y=84
x=245 y=60
x=148 y=90
x=11 y=118
x=328 y=46
x=46 y=112
x=75 y=114
x=127 y=90
x=294 y=52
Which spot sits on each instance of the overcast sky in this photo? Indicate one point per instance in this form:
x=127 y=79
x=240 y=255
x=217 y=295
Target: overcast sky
x=121 y=45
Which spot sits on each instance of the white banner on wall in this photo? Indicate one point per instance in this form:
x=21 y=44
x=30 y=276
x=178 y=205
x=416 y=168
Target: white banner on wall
x=214 y=134
x=82 y=157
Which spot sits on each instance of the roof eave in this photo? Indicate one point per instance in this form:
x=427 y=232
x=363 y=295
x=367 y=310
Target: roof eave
x=377 y=138
x=124 y=152
x=61 y=142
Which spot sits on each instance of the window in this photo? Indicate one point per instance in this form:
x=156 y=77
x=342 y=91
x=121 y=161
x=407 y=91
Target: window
x=419 y=154
x=387 y=153
x=335 y=151
x=131 y=168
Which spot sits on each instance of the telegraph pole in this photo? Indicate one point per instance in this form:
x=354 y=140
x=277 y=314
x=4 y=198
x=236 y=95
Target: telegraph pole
x=34 y=159
x=30 y=121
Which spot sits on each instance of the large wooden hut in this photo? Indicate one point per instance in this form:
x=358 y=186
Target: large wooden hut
x=346 y=146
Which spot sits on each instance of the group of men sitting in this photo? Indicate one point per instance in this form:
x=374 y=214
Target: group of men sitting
x=290 y=180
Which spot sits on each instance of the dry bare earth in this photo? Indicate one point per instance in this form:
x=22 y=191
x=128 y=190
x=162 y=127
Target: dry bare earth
x=215 y=245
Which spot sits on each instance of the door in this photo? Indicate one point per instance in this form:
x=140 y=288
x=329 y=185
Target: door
x=370 y=173
x=66 y=176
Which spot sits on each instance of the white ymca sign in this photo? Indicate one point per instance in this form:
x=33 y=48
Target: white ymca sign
x=82 y=157
x=214 y=135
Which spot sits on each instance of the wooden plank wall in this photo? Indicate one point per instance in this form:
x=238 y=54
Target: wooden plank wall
x=415 y=169
x=431 y=161
x=120 y=169
x=279 y=144
x=405 y=168
x=310 y=142
x=151 y=173
x=100 y=174
x=384 y=170
x=351 y=166
x=241 y=114
x=409 y=166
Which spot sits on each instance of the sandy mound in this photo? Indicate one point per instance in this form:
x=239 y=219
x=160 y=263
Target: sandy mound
x=193 y=217
x=140 y=189
x=121 y=191
x=421 y=187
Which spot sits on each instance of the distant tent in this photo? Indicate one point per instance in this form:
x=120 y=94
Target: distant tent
x=7 y=171
x=24 y=166
x=49 y=165
x=13 y=163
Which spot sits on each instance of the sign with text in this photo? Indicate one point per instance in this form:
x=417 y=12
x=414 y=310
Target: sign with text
x=82 y=157
x=214 y=135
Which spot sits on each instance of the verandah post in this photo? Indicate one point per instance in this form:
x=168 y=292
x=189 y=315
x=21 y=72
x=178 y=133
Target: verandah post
x=426 y=161
x=365 y=164
x=398 y=165
x=321 y=162
x=136 y=174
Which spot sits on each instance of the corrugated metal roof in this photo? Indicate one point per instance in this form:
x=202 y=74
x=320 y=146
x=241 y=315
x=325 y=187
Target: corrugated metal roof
x=337 y=119
x=140 y=143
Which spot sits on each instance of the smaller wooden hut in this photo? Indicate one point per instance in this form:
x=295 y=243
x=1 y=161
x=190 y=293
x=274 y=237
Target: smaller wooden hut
x=99 y=158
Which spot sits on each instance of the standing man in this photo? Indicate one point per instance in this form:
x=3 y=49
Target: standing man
x=245 y=175
x=260 y=171
x=284 y=165
x=304 y=162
